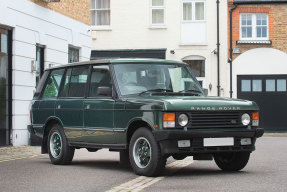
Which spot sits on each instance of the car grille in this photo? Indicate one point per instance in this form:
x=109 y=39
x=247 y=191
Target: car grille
x=215 y=120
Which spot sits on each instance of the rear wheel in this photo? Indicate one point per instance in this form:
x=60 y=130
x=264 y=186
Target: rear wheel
x=145 y=155
x=60 y=152
x=233 y=161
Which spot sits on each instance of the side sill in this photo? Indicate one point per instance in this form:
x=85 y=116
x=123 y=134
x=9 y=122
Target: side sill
x=96 y=146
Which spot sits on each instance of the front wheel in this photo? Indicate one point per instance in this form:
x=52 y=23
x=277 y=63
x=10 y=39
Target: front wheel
x=232 y=161
x=60 y=152
x=145 y=155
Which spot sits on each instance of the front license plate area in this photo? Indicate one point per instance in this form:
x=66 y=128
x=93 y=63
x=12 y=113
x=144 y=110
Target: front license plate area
x=215 y=142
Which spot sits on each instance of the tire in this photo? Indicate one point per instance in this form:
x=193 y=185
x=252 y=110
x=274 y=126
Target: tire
x=144 y=153
x=233 y=161
x=179 y=156
x=60 y=152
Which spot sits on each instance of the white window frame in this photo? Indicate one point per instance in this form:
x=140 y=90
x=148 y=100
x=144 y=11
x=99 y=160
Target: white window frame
x=193 y=11
x=100 y=27
x=254 y=26
x=158 y=25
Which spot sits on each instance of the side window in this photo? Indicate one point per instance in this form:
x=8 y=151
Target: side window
x=53 y=84
x=100 y=78
x=75 y=82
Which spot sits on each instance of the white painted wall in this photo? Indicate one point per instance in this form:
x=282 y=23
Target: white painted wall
x=259 y=61
x=131 y=29
x=34 y=24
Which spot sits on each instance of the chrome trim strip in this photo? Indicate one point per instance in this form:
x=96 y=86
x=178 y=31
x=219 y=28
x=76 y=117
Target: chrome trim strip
x=100 y=130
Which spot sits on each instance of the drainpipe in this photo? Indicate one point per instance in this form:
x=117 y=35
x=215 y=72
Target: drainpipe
x=231 y=49
x=218 y=51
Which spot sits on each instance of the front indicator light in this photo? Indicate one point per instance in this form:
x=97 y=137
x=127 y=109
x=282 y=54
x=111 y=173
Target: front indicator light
x=245 y=119
x=169 y=120
x=255 y=119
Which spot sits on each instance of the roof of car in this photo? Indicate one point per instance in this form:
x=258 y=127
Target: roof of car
x=119 y=61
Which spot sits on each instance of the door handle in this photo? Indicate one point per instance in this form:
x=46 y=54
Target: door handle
x=59 y=107
x=87 y=107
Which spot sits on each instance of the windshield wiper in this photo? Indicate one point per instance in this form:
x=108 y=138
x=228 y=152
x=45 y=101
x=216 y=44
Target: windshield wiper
x=191 y=90
x=156 y=90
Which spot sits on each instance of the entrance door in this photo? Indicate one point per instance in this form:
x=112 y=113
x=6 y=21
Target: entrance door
x=5 y=86
x=269 y=92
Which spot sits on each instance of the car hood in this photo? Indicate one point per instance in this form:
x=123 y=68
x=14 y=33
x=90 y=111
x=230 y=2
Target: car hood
x=188 y=103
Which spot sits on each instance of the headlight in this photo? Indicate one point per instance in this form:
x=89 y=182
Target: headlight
x=182 y=119
x=245 y=119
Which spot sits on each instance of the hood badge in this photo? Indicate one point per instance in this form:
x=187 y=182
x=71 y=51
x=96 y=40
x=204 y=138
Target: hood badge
x=215 y=108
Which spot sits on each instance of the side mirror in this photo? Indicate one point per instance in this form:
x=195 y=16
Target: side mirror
x=205 y=92
x=105 y=91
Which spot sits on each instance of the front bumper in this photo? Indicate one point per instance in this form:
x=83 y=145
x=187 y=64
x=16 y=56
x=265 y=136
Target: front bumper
x=168 y=140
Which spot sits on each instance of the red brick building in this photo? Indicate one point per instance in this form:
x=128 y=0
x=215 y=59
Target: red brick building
x=258 y=59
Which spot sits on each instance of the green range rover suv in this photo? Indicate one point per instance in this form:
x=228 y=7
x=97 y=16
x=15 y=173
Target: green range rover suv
x=148 y=110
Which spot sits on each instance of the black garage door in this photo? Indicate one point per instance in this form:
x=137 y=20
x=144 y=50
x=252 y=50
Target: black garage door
x=269 y=92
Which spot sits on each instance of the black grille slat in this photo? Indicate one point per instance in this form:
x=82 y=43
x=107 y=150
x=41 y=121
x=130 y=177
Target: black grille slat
x=215 y=120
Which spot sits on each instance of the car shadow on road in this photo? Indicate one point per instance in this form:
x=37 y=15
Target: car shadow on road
x=102 y=164
x=200 y=171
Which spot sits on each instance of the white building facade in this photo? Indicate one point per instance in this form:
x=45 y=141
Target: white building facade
x=33 y=38
x=185 y=29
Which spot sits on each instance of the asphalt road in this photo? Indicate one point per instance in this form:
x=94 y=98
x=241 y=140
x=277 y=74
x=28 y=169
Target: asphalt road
x=100 y=171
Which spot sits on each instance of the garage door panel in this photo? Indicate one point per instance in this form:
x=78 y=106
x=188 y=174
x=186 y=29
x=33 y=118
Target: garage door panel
x=269 y=92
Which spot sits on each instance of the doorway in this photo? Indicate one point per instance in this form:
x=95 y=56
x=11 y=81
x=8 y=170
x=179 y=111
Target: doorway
x=5 y=85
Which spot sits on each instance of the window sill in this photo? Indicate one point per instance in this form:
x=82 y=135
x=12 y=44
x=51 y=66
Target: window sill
x=193 y=44
x=157 y=27
x=101 y=28
x=257 y=42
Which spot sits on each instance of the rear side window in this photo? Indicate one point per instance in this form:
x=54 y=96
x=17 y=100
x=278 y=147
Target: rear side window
x=75 y=82
x=53 y=84
x=100 y=78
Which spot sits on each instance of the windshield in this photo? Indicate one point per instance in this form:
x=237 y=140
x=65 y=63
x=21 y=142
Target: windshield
x=150 y=78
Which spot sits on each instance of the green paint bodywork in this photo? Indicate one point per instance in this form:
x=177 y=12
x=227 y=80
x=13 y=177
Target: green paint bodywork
x=107 y=120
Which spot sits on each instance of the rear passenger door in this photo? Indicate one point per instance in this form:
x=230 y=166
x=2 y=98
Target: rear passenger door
x=69 y=106
x=99 y=109
x=47 y=102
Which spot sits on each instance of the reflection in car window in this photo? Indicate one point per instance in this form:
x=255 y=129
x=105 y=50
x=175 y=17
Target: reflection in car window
x=138 y=78
x=53 y=84
x=75 y=82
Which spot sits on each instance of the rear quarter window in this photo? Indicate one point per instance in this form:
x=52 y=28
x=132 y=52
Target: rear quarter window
x=53 y=84
x=41 y=85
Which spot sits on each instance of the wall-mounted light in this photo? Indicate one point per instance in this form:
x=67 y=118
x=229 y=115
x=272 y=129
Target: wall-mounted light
x=236 y=51
x=172 y=52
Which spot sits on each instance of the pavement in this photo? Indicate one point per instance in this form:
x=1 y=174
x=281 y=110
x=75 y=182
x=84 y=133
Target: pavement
x=25 y=169
x=21 y=152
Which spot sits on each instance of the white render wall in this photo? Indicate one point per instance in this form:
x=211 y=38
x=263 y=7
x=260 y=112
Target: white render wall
x=34 y=24
x=131 y=29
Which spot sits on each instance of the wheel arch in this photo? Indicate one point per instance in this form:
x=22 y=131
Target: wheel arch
x=136 y=124
x=47 y=127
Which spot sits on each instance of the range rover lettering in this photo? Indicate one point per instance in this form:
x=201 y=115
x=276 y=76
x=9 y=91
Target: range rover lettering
x=146 y=109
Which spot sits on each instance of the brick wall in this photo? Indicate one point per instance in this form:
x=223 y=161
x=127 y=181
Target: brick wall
x=277 y=20
x=75 y=9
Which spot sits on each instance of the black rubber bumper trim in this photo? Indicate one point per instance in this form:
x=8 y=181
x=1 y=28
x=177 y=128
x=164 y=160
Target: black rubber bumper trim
x=181 y=134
